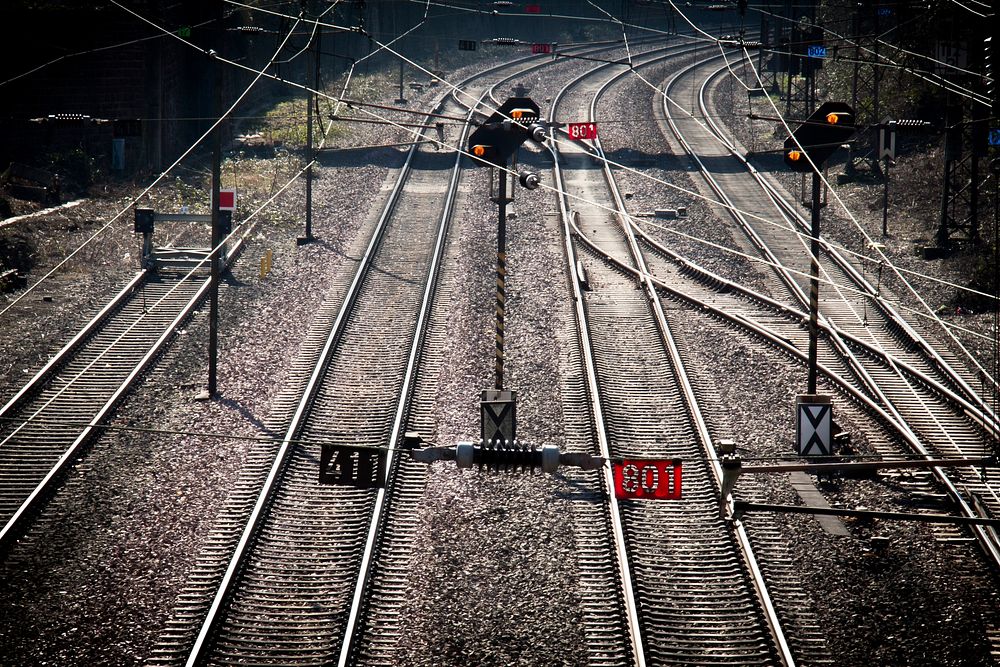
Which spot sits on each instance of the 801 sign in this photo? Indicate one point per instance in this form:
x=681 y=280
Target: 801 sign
x=648 y=479
x=582 y=131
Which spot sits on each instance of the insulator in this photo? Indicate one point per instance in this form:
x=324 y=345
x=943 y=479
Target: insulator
x=529 y=180
x=537 y=132
x=497 y=455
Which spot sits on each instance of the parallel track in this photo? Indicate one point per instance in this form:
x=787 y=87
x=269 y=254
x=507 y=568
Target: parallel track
x=926 y=402
x=47 y=425
x=295 y=572
x=683 y=615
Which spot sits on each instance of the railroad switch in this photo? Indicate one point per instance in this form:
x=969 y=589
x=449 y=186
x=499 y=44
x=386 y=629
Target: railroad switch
x=500 y=455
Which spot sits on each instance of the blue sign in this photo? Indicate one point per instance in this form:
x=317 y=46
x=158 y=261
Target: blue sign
x=816 y=51
x=885 y=11
x=994 y=137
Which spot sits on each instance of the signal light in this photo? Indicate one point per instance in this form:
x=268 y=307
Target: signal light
x=794 y=156
x=480 y=150
x=144 y=218
x=833 y=118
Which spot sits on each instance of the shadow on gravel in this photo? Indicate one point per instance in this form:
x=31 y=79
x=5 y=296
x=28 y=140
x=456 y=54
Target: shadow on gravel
x=389 y=158
x=641 y=160
x=580 y=489
x=361 y=157
x=249 y=416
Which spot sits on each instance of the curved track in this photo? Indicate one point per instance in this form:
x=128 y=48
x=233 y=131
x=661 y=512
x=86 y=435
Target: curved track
x=928 y=403
x=684 y=616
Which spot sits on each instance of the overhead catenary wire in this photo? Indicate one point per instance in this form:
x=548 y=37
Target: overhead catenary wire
x=461 y=92
x=883 y=258
x=30 y=289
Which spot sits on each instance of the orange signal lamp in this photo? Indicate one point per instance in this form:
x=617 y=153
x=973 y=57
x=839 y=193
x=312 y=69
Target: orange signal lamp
x=794 y=156
x=516 y=114
x=479 y=150
x=833 y=118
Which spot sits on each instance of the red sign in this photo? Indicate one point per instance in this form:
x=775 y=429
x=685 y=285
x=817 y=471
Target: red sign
x=648 y=479
x=582 y=131
x=532 y=9
x=227 y=200
x=541 y=48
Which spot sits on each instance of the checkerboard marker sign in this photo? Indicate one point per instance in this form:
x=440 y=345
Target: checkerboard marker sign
x=813 y=425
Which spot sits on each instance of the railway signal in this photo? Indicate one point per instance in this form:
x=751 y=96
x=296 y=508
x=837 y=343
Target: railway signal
x=494 y=144
x=819 y=136
x=806 y=150
x=638 y=479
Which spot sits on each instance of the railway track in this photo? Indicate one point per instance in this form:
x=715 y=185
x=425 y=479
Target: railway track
x=46 y=426
x=680 y=615
x=296 y=572
x=928 y=403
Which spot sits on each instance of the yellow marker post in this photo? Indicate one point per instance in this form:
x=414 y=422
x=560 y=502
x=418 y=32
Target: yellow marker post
x=265 y=263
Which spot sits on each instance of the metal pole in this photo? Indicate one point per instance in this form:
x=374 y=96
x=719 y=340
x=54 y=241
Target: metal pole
x=401 y=100
x=310 y=153
x=213 y=311
x=885 y=200
x=501 y=273
x=814 y=283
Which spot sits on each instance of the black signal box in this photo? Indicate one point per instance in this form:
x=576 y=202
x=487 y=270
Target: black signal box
x=504 y=131
x=826 y=129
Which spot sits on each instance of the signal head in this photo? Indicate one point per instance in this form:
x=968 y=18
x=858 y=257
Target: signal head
x=523 y=115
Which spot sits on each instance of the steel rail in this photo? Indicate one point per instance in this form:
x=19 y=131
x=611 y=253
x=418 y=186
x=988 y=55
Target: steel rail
x=621 y=549
x=981 y=411
x=348 y=645
x=987 y=539
x=271 y=483
x=45 y=373
x=601 y=429
x=784 y=274
x=15 y=525
x=694 y=409
x=887 y=357
x=900 y=424
x=604 y=448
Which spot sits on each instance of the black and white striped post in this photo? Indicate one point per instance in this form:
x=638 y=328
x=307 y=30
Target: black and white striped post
x=501 y=301
x=814 y=281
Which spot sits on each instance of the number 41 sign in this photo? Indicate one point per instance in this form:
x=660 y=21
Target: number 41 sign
x=648 y=479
